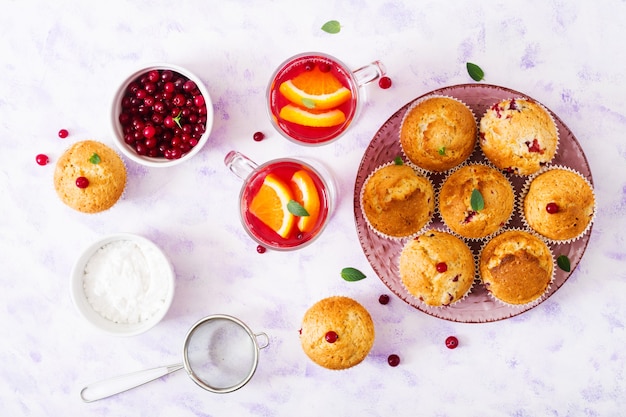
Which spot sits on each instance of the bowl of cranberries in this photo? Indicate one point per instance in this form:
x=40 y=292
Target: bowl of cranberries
x=162 y=115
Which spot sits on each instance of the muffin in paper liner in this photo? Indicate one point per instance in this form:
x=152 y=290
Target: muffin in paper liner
x=397 y=201
x=437 y=268
x=558 y=203
x=517 y=268
x=518 y=135
x=337 y=333
x=454 y=204
x=438 y=132
x=104 y=170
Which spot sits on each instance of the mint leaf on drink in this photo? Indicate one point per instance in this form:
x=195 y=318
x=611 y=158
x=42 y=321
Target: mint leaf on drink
x=94 y=159
x=563 y=263
x=296 y=209
x=476 y=200
x=475 y=71
x=332 y=27
x=352 y=274
x=308 y=103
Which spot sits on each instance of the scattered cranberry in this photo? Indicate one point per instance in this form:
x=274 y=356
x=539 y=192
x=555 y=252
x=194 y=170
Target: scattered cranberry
x=552 y=208
x=82 y=182
x=258 y=136
x=331 y=337
x=383 y=299
x=452 y=342
x=42 y=159
x=63 y=133
x=384 y=83
x=261 y=249
x=393 y=360
x=324 y=67
x=441 y=267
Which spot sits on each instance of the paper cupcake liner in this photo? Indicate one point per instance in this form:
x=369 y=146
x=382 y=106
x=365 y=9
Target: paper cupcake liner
x=548 y=112
x=438 y=205
x=524 y=192
x=463 y=297
x=421 y=100
x=381 y=233
x=530 y=304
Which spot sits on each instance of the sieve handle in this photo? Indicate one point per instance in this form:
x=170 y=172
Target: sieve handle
x=117 y=384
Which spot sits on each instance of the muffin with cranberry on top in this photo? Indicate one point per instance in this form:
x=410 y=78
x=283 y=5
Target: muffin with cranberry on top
x=437 y=268
x=518 y=135
x=559 y=204
x=337 y=333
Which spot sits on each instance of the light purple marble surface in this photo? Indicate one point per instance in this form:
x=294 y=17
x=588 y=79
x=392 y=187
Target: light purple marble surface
x=61 y=62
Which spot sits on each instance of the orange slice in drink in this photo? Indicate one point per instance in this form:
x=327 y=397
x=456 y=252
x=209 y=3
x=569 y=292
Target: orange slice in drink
x=300 y=116
x=306 y=194
x=270 y=205
x=315 y=89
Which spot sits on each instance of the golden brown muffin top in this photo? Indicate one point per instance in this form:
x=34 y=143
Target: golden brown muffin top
x=351 y=324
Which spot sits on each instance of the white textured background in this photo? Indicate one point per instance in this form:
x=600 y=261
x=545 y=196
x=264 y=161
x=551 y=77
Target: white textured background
x=60 y=63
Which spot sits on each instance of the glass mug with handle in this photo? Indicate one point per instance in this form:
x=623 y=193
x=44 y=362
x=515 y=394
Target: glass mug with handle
x=313 y=97
x=285 y=203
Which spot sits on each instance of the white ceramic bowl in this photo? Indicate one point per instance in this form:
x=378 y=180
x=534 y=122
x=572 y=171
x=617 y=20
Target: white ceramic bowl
x=118 y=134
x=159 y=263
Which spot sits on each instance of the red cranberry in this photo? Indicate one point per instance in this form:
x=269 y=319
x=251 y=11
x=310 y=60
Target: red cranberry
x=441 y=267
x=258 y=136
x=261 y=249
x=552 y=208
x=393 y=360
x=42 y=159
x=383 y=299
x=82 y=182
x=325 y=67
x=331 y=337
x=384 y=83
x=452 y=342
x=534 y=146
x=63 y=133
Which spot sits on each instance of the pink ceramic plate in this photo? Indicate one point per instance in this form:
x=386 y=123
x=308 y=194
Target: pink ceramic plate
x=383 y=254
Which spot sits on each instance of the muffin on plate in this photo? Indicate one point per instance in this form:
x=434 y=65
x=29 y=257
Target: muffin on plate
x=437 y=268
x=516 y=267
x=397 y=201
x=518 y=135
x=465 y=215
x=559 y=204
x=90 y=177
x=337 y=333
x=438 y=133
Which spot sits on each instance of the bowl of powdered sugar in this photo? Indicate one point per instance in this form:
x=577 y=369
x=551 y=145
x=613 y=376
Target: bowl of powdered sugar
x=122 y=284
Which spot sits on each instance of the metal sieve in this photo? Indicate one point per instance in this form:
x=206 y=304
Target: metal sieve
x=220 y=354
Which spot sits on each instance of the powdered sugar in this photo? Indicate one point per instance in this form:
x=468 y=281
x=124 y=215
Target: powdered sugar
x=126 y=281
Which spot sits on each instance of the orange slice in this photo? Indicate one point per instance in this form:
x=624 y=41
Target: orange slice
x=300 y=116
x=270 y=205
x=306 y=194
x=315 y=90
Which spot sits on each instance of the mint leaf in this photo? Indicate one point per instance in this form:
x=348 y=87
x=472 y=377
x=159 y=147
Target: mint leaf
x=296 y=209
x=177 y=119
x=475 y=71
x=563 y=263
x=94 y=159
x=332 y=26
x=476 y=200
x=308 y=103
x=442 y=150
x=352 y=274
x=398 y=160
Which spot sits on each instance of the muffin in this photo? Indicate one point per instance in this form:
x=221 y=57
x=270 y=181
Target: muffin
x=559 y=204
x=518 y=135
x=397 y=201
x=438 y=133
x=90 y=177
x=337 y=333
x=470 y=220
x=516 y=267
x=437 y=268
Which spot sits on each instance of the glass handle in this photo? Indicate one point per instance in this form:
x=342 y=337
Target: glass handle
x=369 y=73
x=239 y=164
